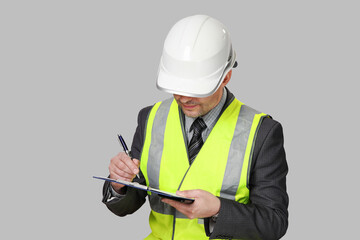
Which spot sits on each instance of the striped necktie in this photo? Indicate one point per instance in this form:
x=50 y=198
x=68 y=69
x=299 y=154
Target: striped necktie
x=196 y=141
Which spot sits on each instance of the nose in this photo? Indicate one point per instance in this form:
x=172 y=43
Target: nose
x=184 y=99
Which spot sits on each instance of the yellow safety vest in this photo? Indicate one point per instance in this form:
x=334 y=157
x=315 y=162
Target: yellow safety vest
x=221 y=167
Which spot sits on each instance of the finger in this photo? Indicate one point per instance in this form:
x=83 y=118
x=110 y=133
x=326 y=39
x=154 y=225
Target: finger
x=133 y=167
x=136 y=161
x=124 y=179
x=188 y=193
x=120 y=169
x=118 y=172
x=116 y=177
x=121 y=173
x=185 y=209
x=178 y=205
x=117 y=162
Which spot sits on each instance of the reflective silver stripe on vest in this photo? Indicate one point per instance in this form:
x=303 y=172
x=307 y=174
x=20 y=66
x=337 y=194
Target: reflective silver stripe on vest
x=237 y=152
x=157 y=135
x=158 y=206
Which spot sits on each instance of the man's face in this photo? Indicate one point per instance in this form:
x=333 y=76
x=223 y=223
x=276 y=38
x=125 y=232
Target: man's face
x=196 y=107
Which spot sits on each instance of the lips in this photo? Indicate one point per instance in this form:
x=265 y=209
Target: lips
x=189 y=106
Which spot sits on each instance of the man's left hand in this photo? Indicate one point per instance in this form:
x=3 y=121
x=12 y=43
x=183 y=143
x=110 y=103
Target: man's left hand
x=205 y=204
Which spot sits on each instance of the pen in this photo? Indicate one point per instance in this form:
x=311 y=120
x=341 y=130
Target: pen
x=123 y=144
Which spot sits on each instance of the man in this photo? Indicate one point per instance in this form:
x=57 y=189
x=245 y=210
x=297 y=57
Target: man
x=204 y=144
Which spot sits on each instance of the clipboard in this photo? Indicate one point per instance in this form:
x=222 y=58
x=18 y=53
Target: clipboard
x=161 y=193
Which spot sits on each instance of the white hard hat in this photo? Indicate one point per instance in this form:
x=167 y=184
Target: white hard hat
x=196 y=57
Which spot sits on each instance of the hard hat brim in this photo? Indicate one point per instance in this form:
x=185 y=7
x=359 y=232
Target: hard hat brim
x=200 y=88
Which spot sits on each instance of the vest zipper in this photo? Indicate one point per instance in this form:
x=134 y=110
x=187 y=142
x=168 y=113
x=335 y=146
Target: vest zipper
x=174 y=221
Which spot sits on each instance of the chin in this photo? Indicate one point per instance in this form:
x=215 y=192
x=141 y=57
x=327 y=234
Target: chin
x=191 y=114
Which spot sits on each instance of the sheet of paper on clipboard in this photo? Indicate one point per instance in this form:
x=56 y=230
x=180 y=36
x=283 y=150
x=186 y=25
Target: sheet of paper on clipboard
x=161 y=193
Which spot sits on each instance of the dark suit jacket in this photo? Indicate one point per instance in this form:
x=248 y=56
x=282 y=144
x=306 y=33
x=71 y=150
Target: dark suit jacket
x=264 y=217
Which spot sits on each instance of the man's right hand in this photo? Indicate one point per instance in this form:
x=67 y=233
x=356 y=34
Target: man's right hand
x=122 y=167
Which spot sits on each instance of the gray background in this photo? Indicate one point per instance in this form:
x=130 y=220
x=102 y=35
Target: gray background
x=75 y=73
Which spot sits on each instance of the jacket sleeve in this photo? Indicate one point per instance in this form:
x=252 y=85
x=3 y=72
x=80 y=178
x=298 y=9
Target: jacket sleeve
x=266 y=215
x=133 y=198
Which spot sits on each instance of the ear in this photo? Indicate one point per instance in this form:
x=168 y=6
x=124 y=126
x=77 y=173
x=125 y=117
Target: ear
x=227 y=78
